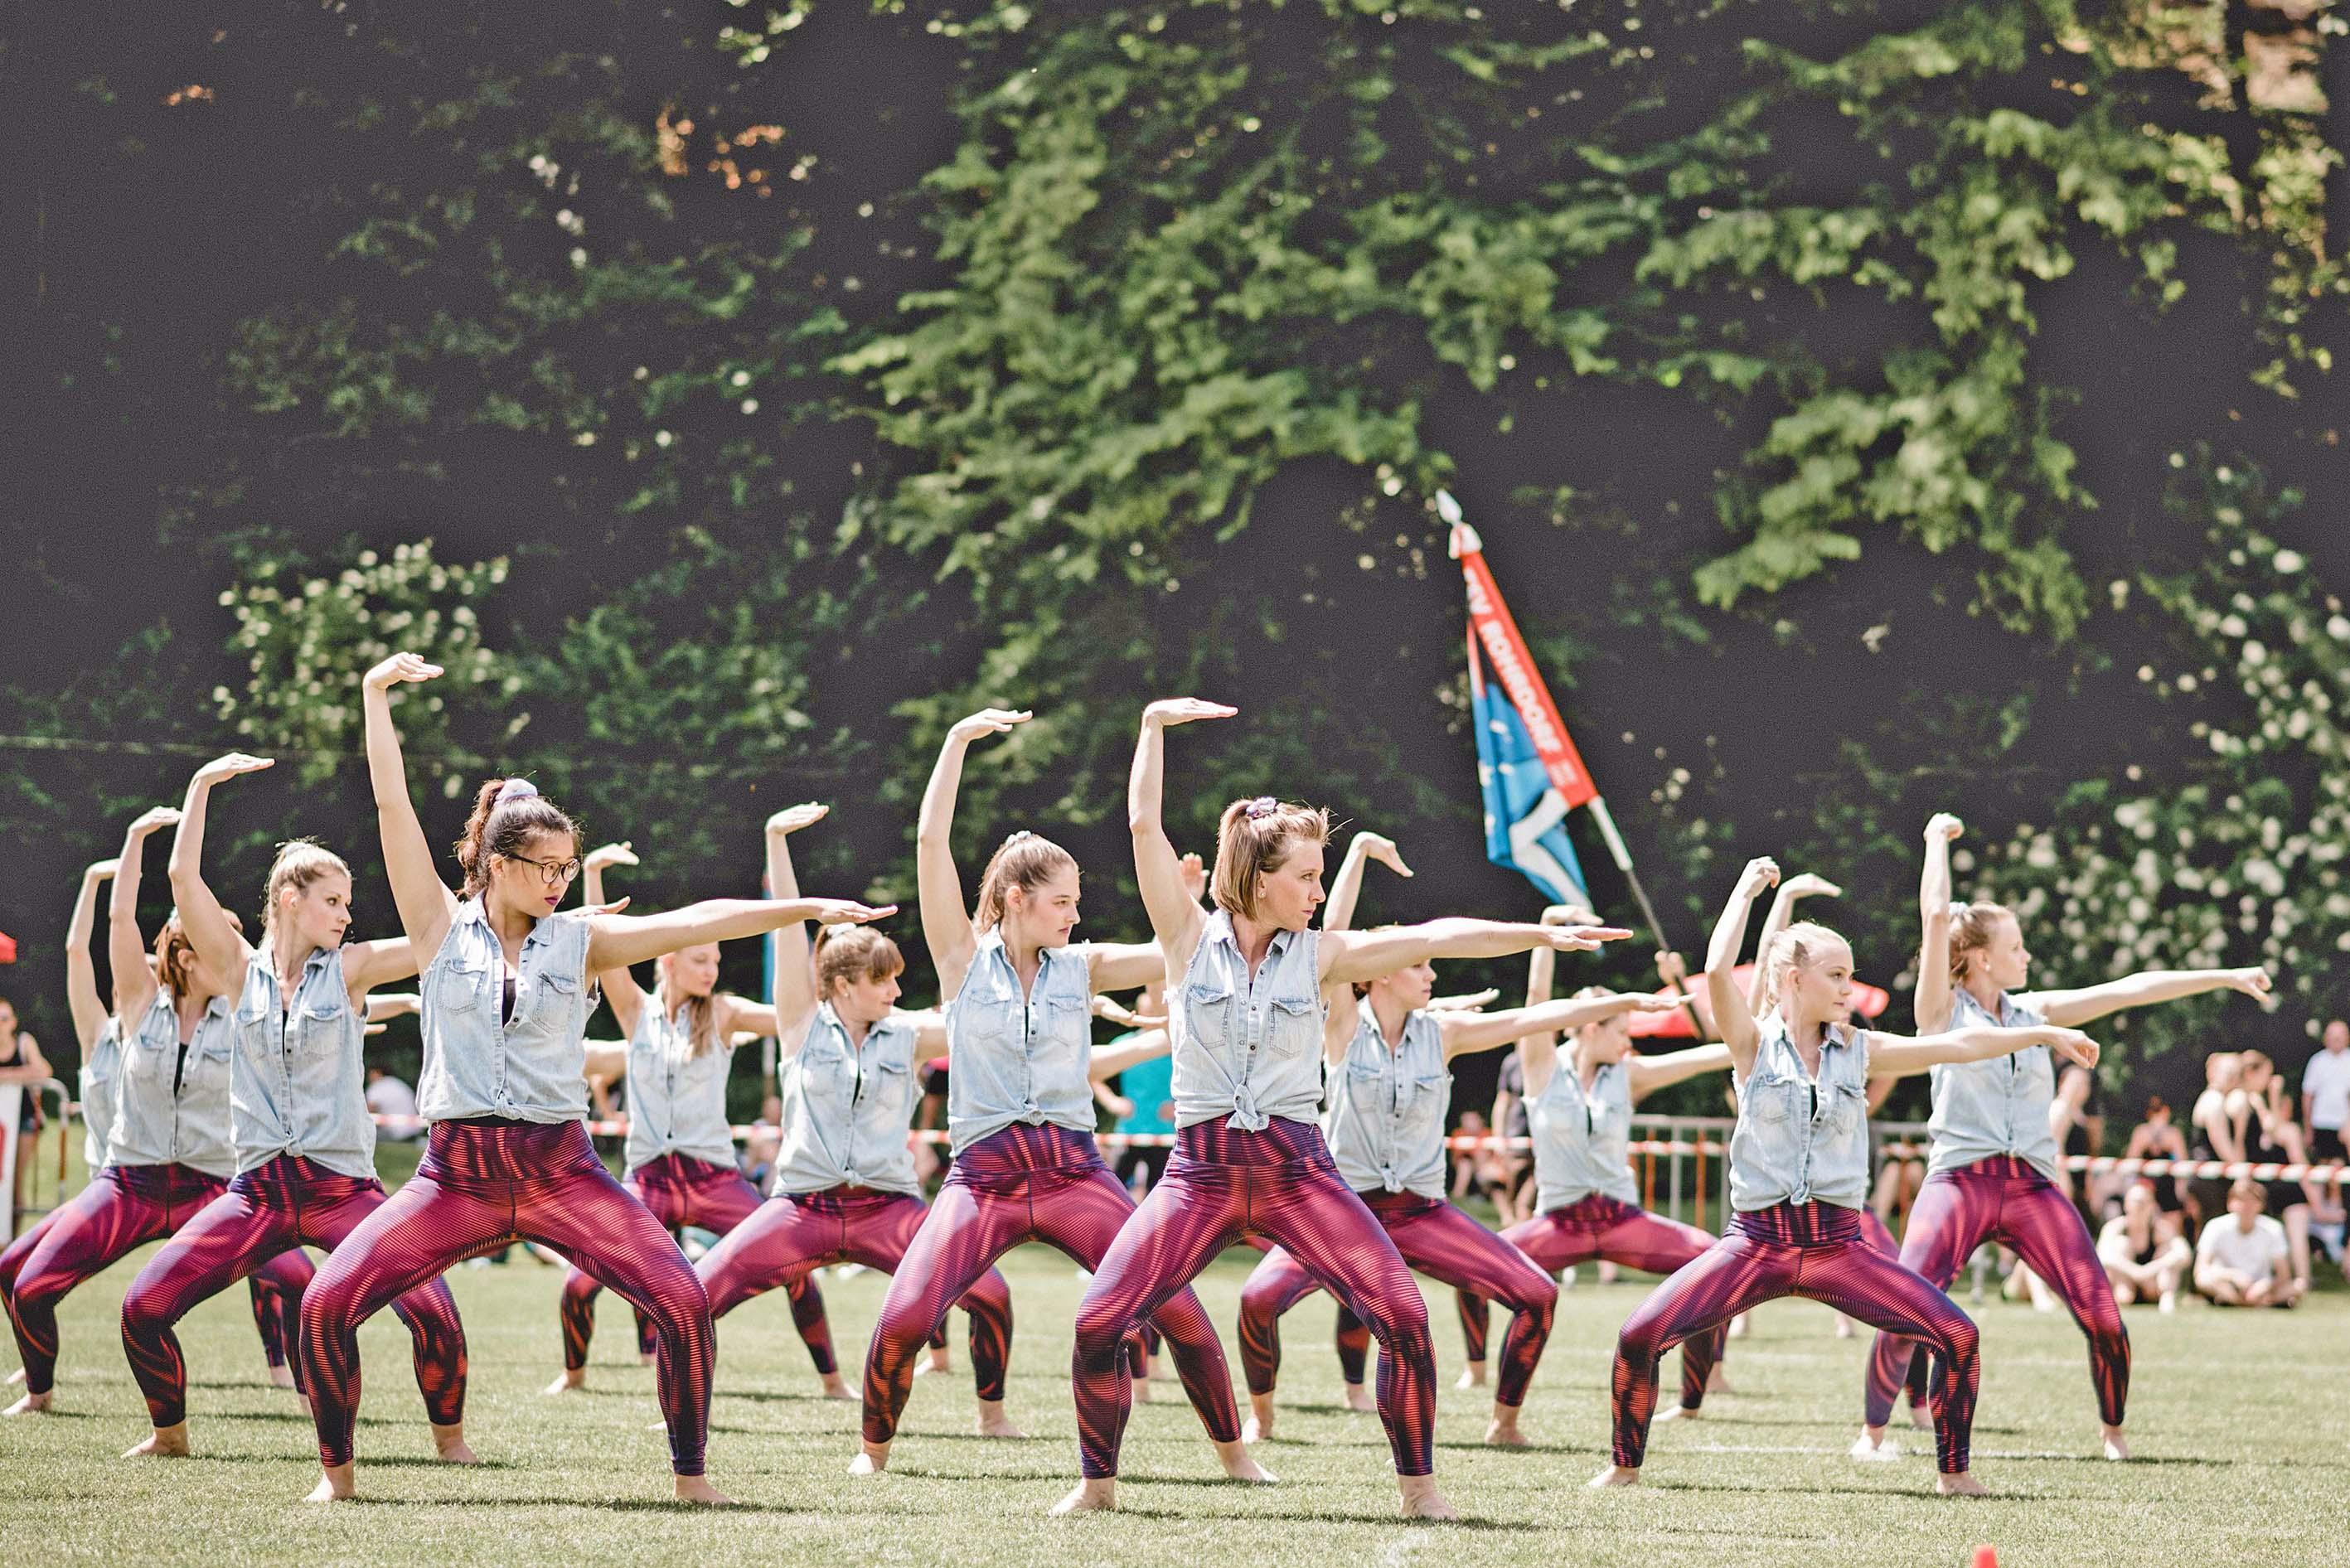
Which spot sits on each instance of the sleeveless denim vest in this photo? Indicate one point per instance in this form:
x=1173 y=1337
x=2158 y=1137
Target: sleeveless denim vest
x=847 y=1111
x=1984 y=1109
x=1798 y=1140
x=677 y=1100
x=299 y=1083
x=532 y=1067
x=1248 y=1050
x=159 y=1122
x=1583 y=1142
x=1386 y=1125
x=1015 y=1057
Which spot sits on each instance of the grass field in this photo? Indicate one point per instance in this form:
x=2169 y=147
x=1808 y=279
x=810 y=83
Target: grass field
x=2240 y=1420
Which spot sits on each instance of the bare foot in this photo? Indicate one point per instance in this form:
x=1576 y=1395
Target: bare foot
x=281 y=1377
x=834 y=1388
x=1679 y=1413
x=696 y=1490
x=17 y=1378
x=1503 y=1432
x=644 y=1360
x=1718 y=1381
x=1093 y=1495
x=1139 y=1391
x=1959 y=1485
x=1473 y=1375
x=2117 y=1445
x=165 y=1443
x=993 y=1423
x=30 y=1404
x=1238 y=1465
x=336 y=1484
x=569 y=1379
x=936 y=1361
x=1874 y=1448
x=2170 y=1301
x=1922 y=1416
x=871 y=1460
x=1359 y=1398
x=1422 y=1500
x=1614 y=1475
x=449 y=1445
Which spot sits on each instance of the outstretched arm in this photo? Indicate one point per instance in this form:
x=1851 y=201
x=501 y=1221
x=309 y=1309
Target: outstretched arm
x=1782 y=913
x=1931 y=1000
x=1348 y=956
x=947 y=928
x=621 y=987
x=426 y=906
x=87 y=1007
x=614 y=939
x=1465 y=1033
x=1109 y=1060
x=1731 y=1014
x=1338 y=913
x=219 y=944
x=1898 y=1056
x=1176 y=918
x=1647 y=1073
x=2142 y=990
x=126 y=950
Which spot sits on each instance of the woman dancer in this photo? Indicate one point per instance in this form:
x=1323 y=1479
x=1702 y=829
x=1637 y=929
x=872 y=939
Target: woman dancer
x=167 y=1149
x=1993 y=1170
x=1799 y=1177
x=1019 y=1115
x=507 y=996
x=844 y=1187
x=1586 y=1200
x=1246 y=1017
x=681 y=1146
x=297 y=1118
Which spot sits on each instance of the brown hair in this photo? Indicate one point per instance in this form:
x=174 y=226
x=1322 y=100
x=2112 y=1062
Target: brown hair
x=1025 y=861
x=1253 y=838
x=299 y=863
x=1971 y=929
x=175 y=955
x=2245 y=1187
x=1792 y=950
x=2156 y=1105
x=502 y=822
x=2251 y=1059
x=854 y=952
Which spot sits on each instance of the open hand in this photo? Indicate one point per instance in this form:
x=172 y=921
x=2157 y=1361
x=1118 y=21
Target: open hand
x=154 y=818
x=1169 y=711
x=988 y=722
x=848 y=911
x=399 y=668
x=1378 y=848
x=1582 y=939
x=230 y=765
x=620 y=854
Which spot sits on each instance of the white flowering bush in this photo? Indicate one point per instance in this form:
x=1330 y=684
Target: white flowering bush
x=306 y=641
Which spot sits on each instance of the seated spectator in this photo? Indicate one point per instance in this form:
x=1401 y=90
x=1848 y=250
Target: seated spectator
x=2242 y=1258
x=2143 y=1254
x=389 y=1096
x=2159 y=1138
x=2265 y=1128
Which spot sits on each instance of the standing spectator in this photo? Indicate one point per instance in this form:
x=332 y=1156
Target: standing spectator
x=1148 y=1089
x=22 y=1064
x=389 y=1097
x=2143 y=1251
x=2325 y=1099
x=2242 y=1260
x=2265 y=1128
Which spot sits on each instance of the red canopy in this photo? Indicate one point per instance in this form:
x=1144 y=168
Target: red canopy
x=1867 y=1001
x=7 y=948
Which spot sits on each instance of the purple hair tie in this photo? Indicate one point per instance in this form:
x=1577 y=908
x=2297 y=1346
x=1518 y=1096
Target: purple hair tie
x=1263 y=805
x=516 y=789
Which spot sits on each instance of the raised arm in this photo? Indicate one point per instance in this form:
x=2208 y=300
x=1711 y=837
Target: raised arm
x=1731 y=1015
x=1898 y=1056
x=384 y=961
x=1930 y=1002
x=126 y=950
x=87 y=1007
x=947 y=928
x=1782 y=913
x=621 y=987
x=2143 y=989
x=1538 y=1053
x=1349 y=955
x=220 y=945
x=1468 y=1032
x=794 y=959
x=1648 y=1073
x=615 y=939
x=1338 y=913
x=425 y=904
x=1176 y=918
x=1124 y=966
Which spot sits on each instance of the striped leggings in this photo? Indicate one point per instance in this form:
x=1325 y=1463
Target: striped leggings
x=289 y=1202
x=2007 y=1199
x=124 y=1207
x=1224 y=1184
x=682 y=1190
x=1436 y=1240
x=1813 y=1250
x=489 y=1183
x=1026 y=1184
x=1598 y=1226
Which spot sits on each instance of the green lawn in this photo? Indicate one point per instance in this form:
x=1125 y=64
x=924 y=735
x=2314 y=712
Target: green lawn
x=2240 y=1420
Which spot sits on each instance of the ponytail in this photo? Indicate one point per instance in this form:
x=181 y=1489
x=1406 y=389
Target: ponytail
x=1025 y=861
x=506 y=814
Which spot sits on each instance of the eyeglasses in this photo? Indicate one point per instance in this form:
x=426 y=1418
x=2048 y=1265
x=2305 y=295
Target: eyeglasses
x=554 y=873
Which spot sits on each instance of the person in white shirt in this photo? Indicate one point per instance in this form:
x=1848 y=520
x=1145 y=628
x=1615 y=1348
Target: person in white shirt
x=2243 y=1260
x=2326 y=1096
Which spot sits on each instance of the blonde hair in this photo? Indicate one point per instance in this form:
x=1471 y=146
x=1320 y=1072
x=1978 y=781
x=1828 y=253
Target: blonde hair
x=1025 y=861
x=1973 y=926
x=701 y=1012
x=299 y=863
x=1253 y=838
x=1792 y=950
x=853 y=953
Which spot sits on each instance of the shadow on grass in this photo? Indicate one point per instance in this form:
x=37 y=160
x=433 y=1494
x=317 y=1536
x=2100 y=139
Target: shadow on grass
x=1336 y=1516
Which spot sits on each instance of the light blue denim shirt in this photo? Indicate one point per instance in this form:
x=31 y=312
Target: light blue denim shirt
x=847 y=1112
x=98 y=1071
x=299 y=1085
x=533 y=1067
x=677 y=1100
x=1249 y=1049
x=1015 y=1056
x=1583 y=1142
x=1798 y=1140
x=168 y=1113
x=1385 y=1123
x=1984 y=1109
